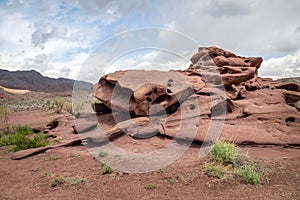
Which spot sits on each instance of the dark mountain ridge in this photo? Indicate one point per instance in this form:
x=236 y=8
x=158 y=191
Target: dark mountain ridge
x=33 y=80
x=289 y=80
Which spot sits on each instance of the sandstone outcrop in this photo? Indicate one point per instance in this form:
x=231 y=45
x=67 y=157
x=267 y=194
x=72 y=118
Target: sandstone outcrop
x=219 y=96
x=224 y=86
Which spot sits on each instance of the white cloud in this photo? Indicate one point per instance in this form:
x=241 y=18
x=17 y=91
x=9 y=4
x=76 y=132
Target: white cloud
x=46 y=31
x=150 y=56
x=160 y=57
x=15 y=33
x=149 y=60
x=221 y=8
x=287 y=66
x=265 y=28
x=50 y=36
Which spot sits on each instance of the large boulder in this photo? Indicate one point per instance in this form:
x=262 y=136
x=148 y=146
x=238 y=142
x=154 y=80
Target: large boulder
x=223 y=85
x=138 y=91
x=232 y=68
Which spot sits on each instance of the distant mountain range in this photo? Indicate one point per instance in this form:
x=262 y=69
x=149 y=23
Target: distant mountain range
x=33 y=80
x=290 y=80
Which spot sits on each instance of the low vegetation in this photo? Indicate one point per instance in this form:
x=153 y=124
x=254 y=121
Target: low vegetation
x=248 y=174
x=54 y=157
x=214 y=171
x=38 y=168
x=24 y=138
x=64 y=181
x=106 y=168
x=58 y=104
x=4 y=127
x=58 y=181
x=68 y=107
x=227 y=157
x=224 y=152
x=150 y=186
x=76 y=181
x=103 y=153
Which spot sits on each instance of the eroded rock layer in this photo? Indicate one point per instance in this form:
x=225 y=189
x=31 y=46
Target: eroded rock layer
x=219 y=95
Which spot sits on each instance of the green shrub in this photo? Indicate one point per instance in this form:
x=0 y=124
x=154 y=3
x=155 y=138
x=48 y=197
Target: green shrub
x=150 y=186
x=248 y=174
x=76 y=181
x=4 y=127
x=24 y=138
x=242 y=159
x=57 y=181
x=106 y=168
x=48 y=104
x=214 y=171
x=36 y=169
x=58 y=105
x=223 y=152
x=57 y=140
x=103 y=153
x=68 y=107
x=23 y=130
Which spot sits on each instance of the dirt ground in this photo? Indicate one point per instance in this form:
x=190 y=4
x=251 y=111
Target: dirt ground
x=31 y=178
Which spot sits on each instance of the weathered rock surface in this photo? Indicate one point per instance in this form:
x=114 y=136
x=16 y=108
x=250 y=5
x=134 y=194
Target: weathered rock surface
x=218 y=96
x=136 y=91
x=257 y=110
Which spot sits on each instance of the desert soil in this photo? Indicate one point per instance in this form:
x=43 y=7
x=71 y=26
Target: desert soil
x=30 y=178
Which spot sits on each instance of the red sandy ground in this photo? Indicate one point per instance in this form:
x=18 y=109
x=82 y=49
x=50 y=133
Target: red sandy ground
x=30 y=178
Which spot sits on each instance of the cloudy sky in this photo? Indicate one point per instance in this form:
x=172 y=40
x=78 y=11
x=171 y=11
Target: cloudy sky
x=57 y=38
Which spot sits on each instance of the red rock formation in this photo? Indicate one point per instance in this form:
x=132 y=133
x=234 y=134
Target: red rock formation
x=218 y=96
x=257 y=110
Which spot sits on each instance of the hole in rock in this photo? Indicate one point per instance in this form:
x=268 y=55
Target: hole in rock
x=192 y=107
x=169 y=91
x=172 y=108
x=37 y=130
x=52 y=124
x=245 y=115
x=161 y=99
x=225 y=71
x=169 y=110
x=251 y=87
x=149 y=99
x=290 y=119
